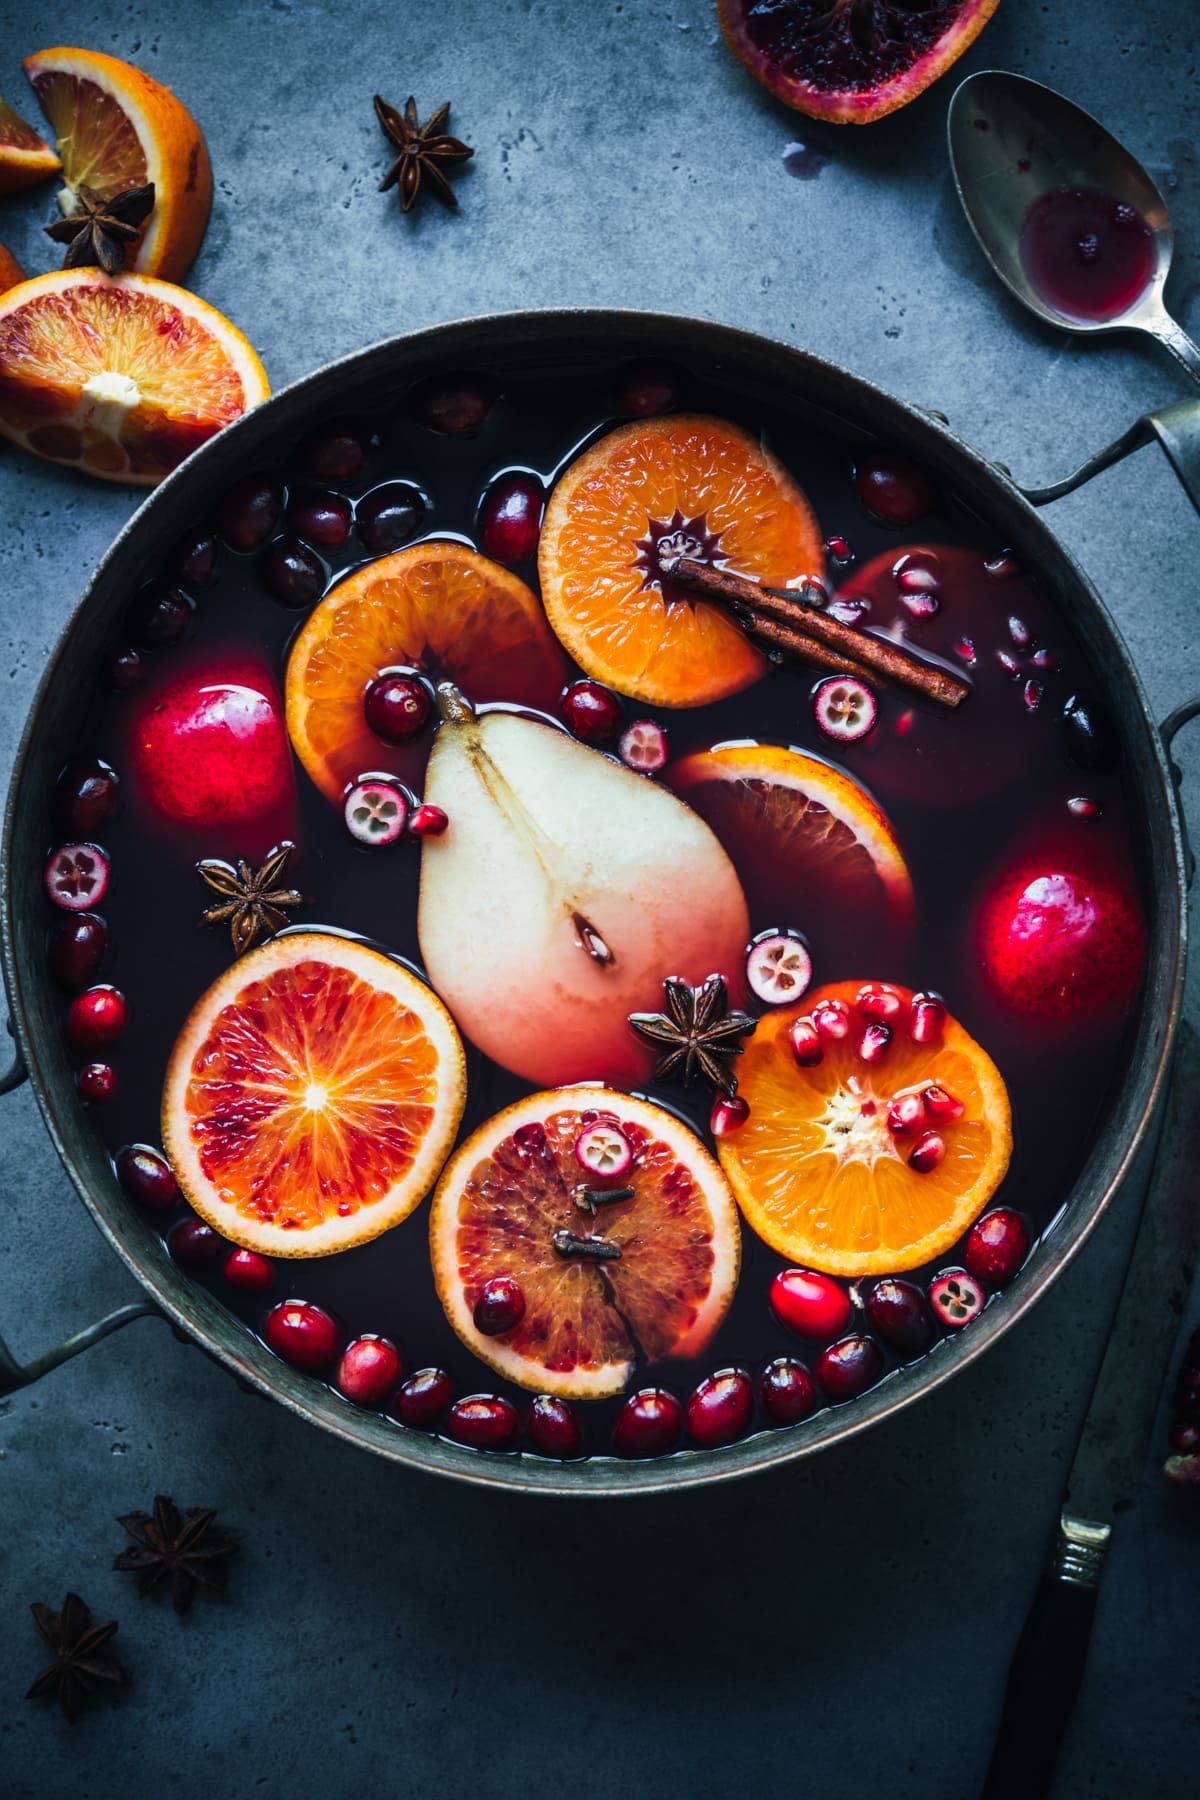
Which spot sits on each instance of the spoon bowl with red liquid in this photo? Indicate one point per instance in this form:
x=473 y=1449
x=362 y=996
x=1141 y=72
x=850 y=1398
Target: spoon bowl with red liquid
x=1067 y=217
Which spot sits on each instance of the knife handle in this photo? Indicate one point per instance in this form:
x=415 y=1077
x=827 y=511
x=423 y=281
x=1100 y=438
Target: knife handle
x=1047 y=1666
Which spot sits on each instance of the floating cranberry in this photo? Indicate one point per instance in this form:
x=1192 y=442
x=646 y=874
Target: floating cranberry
x=337 y=452
x=376 y=812
x=247 y=1270
x=894 y=490
x=553 y=1428
x=1088 y=732
x=195 y=1245
x=646 y=388
x=97 y=1082
x=147 y=1177
x=303 y=1333
x=456 y=407
x=996 y=1246
x=592 y=712
x=778 y=968
x=845 y=708
x=510 y=517
x=500 y=1306
x=648 y=1424
x=805 y=1040
x=849 y=1368
x=811 y=1305
x=927 y=1153
x=76 y=877
x=368 y=1371
x=603 y=1149
x=483 y=1422
x=428 y=821
x=292 y=573
x=786 y=1391
x=193 y=561
x=96 y=1018
x=162 y=618
x=249 y=511
x=898 y=1312
x=720 y=1409
x=86 y=797
x=77 y=950
x=420 y=1401
x=389 y=516
x=956 y=1297
x=729 y=1113
x=397 y=707
x=644 y=747
x=126 y=670
x=323 y=519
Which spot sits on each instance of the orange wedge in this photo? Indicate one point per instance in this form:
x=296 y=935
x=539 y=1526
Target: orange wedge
x=437 y=606
x=312 y=1096
x=116 y=128
x=24 y=156
x=516 y=1183
x=819 y=1172
x=711 y=491
x=121 y=378
x=11 y=272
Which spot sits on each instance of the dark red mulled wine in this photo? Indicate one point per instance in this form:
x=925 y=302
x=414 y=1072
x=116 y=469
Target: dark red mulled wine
x=1086 y=254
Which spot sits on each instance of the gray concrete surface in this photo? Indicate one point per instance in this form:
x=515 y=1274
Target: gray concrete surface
x=840 y=1629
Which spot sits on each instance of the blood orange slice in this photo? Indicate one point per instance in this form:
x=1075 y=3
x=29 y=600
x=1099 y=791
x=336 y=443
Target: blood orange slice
x=516 y=1185
x=437 y=606
x=24 y=156
x=11 y=272
x=698 y=487
x=312 y=1096
x=819 y=1171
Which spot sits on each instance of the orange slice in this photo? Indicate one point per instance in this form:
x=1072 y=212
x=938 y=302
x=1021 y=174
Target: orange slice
x=118 y=128
x=818 y=1172
x=24 y=156
x=11 y=272
x=438 y=606
x=312 y=1096
x=587 y=1323
x=716 y=494
x=120 y=378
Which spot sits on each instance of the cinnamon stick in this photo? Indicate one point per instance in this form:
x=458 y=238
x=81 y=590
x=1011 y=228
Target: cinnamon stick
x=806 y=631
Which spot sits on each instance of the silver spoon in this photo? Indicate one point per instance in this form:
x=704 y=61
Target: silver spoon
x=1012 y=140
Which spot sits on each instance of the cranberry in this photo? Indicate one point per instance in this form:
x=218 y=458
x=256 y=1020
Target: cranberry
x=1184 y=1438
x=291 y=572
x=850 y=1367
x=897 y=1311
x=996 y=1246
x=376 y=812
x=369 y=1370
x=323 y=519
x=500 y=1306
x=420 y=1401
x=956 y=1297
x=484 y=1422
x=813 y=1306
x=77 y=950
x=337 y=452
x=510 y=517
x=86 y=797
x=162 y=618
x=303 y=1333
x=247 y=1270
x=389 y=516
x=592 y=712
x=648 y=1424
x=428 y=821
x=249 y=511
x=76 y=877
x=195 y=1245
x=787 y=1391
x=96 y=1018
x=97 y=1082
x=894 y=490
x=644 y=747
x=455 y=406
x=553 y=1428
x=126 y=670
x=720 y=1409
x=147 y=1177
x=646 y=388
x=397 y=707
x=193 y=561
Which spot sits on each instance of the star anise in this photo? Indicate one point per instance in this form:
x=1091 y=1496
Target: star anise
x=698 y=1034
x=79 y=1663
x=99 y=231
x=253 y=900
x=182 y=1549
x=422 y=148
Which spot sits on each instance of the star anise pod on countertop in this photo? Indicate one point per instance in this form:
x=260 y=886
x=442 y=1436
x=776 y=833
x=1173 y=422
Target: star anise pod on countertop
x=253 y=899
x=182 y=1549
x=100 y=229
x=697 y=1036
x=422 y=148
x=80 y=1664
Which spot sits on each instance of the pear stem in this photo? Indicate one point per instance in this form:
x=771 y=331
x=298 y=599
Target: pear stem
x=453 y=704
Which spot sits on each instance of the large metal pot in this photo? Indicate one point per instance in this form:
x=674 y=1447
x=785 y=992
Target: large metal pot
x=535 y=339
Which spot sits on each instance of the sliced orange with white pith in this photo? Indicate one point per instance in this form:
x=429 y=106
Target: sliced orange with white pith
x=312 y=1096
x=514 y=1199
x=685 y=484
x=25 y=158
x=826 y=1172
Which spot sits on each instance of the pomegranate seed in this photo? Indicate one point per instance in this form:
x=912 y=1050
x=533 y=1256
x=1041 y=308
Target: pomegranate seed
x=1089 y=734
x=77 y=950
x=303 y=1333
x=875 y=1000
x=918 y=572
x=648 y=1424
x=964 y=649
x=1009 y=664
x=1033 y=695
x=728 y=1115
x=126 y=670
x=838 y=551
x=247 y=1270
x=428 y=821
x=787 y=1391
x=875 y=1040
x=941 y=1104
x=420 y=1401
x=389 y=516
x=500 y=1306
x=86 y=797
x=1003 y=567
x=193 y=561
x=553 y=1428
x=162 y=618
x=368 y=1371
x=898 y=1311
x=76 y=877
x=848 y=612
x=644 y=747
x=249 y=511
x=291 y=572
x=848 y=1368
x=893 y=489
x=96 y=1018
x=602 y=1149
x=996 y=1246
x=646 y=388
x=806 y=1043
x=720 y=1409
x=845 y=709
x=956 y=1297
x=510 y=517
x=397 y=707
x=591 y=711
x=906 y=1114
x=322 y=519
x=927 y=1153
x=1046 y=660
x=195 y=1245
x=456 y=406
x=811 y=1305
x=337 y=452
x=147 y=1177
x=97 y=1082
x=375 y=812
x=1020 y=633
x=778 y=968
x=921 y=606
x=904 y=724
x=927 y=1018
x=483 y=1422
x=832 y=1019
x=1080 y=807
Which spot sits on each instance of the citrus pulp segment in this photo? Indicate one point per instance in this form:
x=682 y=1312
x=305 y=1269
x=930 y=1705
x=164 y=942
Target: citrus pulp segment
x=24 y=156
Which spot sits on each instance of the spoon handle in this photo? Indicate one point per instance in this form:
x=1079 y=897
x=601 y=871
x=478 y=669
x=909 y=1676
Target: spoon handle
x=1175 y=339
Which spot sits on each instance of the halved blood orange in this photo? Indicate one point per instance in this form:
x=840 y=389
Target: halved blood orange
x=437 y=606
x=117 y=128
x=812 y=848
x=818 y=1171
x=24 y=156
x=710 y=491
x=588 y=1322
x=312 y=1096
x=11 y=272
x=121 y=378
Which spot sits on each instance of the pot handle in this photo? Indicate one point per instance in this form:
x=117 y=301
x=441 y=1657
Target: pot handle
x=15 y=1375
x=16 y=1073
x=1177 y=429
x=1170 y=729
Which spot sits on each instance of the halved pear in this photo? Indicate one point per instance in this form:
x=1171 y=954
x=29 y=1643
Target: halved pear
x=564 y=892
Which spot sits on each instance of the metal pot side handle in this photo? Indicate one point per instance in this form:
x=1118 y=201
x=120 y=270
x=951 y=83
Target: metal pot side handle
x=1170 y=729
x=1176 y=428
